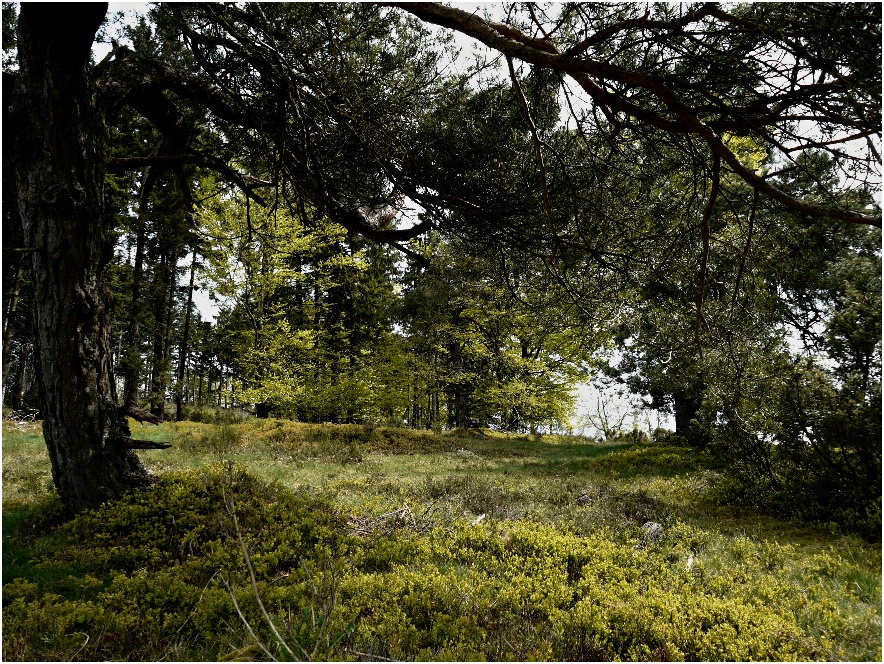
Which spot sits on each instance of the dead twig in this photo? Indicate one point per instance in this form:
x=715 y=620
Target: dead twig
x=390 y=522
x=230 y=507
x=368 y=654
x=245 y=621
x=535 y=139
x=707 y=215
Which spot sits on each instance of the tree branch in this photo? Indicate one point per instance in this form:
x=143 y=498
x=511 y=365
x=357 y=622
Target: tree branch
x=704 y=229
x=511 y=42
x=745 y=253
x=240 y=180
x=534 y=138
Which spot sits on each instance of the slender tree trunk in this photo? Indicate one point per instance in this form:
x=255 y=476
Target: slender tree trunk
x=132 y=364
x=24 y=376
x=59 y=171
x=162 y=340
x=7 y=321
x=459 y=415
x=185 y=340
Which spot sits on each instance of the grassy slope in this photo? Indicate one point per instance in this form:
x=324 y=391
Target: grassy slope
x=783 y=590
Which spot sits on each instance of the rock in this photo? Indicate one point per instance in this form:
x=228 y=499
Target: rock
x=653 y=532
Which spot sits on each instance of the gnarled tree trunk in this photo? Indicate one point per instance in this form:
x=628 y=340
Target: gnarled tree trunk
x=59 y=170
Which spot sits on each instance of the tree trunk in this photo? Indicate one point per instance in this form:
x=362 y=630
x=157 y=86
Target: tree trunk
x=132 y=363
x=686 y=409
x=185 y=339
x=24 y=376
x=8 y=325
x=59 y=171
x=459 y=404
x=162 y=338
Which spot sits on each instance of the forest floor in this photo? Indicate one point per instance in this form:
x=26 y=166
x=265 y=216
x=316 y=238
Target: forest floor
x=387 y=544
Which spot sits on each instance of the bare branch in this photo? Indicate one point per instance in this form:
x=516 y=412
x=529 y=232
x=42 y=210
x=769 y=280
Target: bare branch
x=534 y=138
x=745 y=253
x=515 y=44
x=704 y=229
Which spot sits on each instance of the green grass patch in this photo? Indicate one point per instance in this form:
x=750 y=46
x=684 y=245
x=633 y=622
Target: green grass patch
x=382 y=543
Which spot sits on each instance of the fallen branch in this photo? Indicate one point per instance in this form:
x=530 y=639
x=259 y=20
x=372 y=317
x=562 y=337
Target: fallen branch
x=232 y=593
x=144 y=444
x=140 y=415
x=390 y=522
x=231 y=511
x=368 y=654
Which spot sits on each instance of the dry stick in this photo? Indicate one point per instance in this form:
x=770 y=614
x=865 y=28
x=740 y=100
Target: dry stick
x=230 y=508
x=368 y=654
x=746 y=248
x=429 y=507
x=258 y=597
x=312 y=611
x=199 y=599
x=327 y=608
x=534 y=137
x=246 y=622
x=707 y=214
x=86 y=643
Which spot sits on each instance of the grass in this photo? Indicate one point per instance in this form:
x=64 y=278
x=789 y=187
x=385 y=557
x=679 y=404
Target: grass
x=409 y=545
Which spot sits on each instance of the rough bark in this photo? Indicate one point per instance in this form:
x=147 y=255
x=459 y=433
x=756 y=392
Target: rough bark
x=59 y=173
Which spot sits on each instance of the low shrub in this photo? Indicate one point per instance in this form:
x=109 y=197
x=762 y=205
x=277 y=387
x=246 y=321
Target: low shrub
x=804 y=500
x=152 y=564
x=667 y=459
x=212 y=440
x=209 y=415
x=155 y=575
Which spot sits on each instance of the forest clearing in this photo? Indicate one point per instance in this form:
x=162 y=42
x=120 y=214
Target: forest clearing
x=381 y=544
x=410 y=330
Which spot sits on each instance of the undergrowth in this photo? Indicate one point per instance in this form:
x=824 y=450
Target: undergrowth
x=401 y=545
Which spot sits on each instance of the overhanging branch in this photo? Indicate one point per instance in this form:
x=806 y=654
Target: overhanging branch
x=515 y=44
x=240 y=180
